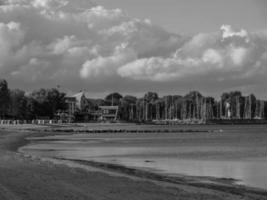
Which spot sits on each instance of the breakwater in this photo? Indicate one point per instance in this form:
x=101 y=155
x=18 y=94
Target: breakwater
x=66 y=130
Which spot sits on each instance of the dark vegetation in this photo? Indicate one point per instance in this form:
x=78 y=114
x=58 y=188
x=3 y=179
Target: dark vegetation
x=17 y=104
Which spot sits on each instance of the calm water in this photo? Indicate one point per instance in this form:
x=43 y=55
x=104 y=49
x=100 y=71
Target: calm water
x=238 y=152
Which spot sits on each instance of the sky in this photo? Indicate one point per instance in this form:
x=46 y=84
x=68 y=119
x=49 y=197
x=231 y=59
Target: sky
x=131 y=47
x=195 y=16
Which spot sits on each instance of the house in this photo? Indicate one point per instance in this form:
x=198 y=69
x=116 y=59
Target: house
x=108 y=113
x=81 y=101
x=77 y=103
x=83 y=109
x=71 y=105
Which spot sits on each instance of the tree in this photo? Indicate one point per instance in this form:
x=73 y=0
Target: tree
x=18 y=104
x=234 y=99
x=130 y=99
x=113 y=99
x=140 y=109
x=210 y=107
x=194 y=98
x=56 y=100
x=128 y=108
x=150 y=99
x=4 y=98
x=250 y=107
x=47 y=101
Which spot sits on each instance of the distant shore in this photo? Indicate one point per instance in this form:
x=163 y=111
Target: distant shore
x=26 y=177
x=170 y=122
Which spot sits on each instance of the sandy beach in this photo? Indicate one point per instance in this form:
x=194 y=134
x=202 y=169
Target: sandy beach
x=26 y=177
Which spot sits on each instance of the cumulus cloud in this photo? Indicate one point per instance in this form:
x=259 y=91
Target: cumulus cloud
x=79 y=44
x=11 y=37
x=107 y=66
x=223 y=55
x=228 y=32
x=56 y=40
x=212 y=56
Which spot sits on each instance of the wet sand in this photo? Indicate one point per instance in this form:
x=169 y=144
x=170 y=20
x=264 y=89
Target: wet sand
x=26 y=177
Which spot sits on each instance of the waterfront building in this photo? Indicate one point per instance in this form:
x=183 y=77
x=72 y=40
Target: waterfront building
x=76 y=104
x=108 y=113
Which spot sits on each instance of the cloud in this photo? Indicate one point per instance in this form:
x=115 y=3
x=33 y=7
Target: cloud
x=238 y=55
x=78 y=44
x=160 y=69
x=228 y=32
x=107 y=66
x=212 y=56
x=59 y=40
x=11 y=37
x=205 y=55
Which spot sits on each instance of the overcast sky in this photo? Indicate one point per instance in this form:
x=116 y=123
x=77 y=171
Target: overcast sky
x=134 y=46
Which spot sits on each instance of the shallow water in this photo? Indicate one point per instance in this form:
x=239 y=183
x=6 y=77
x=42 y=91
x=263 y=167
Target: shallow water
x=238 y=152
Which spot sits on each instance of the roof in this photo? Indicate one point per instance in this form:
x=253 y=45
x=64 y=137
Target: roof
x=78 y=95
x=77 y=98
x=73 y=99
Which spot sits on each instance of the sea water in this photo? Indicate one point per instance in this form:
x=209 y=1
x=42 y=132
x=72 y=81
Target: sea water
x=238 y=152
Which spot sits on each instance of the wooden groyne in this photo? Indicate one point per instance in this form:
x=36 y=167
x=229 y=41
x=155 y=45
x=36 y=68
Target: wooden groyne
x=94 y=131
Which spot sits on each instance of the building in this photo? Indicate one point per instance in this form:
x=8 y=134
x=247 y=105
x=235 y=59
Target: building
x=76 y=104
x=71 y=102
x=82 y=109
x=81 y=101
x=108 y=113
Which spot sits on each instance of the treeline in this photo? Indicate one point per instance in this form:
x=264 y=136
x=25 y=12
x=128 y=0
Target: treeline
x=193 y=105
x=16 y=104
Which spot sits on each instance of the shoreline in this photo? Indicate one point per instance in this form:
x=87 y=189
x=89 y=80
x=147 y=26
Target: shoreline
x=228 y=185
x=195 y=187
